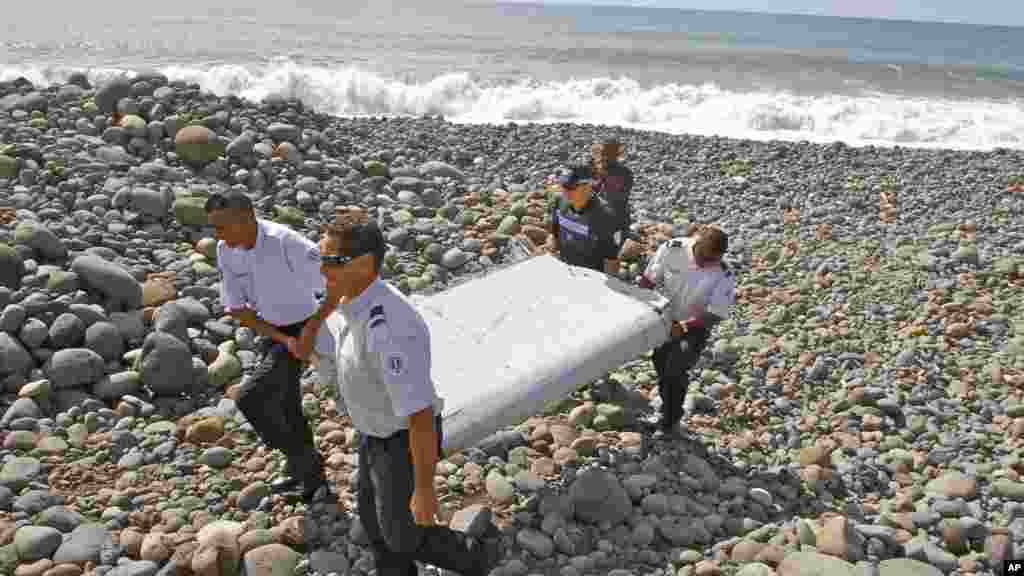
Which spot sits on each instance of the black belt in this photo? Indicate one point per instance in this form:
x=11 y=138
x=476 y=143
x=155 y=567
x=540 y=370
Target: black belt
x=368 y=439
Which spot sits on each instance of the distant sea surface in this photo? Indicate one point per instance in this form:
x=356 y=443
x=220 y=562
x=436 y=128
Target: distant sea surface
x=742 y=75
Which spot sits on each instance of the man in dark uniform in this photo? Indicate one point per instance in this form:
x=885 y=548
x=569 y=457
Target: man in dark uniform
x=613 y=182
x=383 y=358
x=270 y=274
x=583 y=227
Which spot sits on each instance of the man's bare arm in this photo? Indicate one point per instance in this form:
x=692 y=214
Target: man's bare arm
x=423 y=444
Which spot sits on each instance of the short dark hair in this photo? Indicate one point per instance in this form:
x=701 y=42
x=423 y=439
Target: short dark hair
x=712 y=238
x=357 y=235
x=233 y=200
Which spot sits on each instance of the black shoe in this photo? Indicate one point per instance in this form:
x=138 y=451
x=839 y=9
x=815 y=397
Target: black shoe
x=314 y=488
x=491 y=550
x=285 y=484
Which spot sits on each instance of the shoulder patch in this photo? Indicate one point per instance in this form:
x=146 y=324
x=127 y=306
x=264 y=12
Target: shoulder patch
x=313 y=254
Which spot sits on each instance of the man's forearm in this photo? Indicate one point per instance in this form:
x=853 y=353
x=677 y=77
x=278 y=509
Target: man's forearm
x=423 y=445
x=264 y=328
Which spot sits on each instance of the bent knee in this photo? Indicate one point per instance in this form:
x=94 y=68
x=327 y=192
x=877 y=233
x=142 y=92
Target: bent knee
x=402 y=537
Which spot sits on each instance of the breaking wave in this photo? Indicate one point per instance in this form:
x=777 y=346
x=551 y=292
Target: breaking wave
x=878 y=119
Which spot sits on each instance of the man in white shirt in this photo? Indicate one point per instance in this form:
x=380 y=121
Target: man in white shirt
x=383 y=359
x=701 y=290
x=270 y=275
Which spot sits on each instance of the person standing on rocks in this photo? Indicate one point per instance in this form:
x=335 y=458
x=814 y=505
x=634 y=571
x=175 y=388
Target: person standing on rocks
x=701 y=289
x=270 y=275
x=613 y=182
x=583 y=227
x=384 y=355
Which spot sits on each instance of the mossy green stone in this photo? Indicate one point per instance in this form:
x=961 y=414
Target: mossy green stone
x=8 y=166
x=376 y=168
x=190 y=211
x=289 y=216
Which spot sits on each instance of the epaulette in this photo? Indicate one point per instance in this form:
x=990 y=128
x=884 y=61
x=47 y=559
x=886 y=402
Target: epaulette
x=376 y=316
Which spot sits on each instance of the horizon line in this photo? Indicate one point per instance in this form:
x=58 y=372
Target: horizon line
x=645 y=6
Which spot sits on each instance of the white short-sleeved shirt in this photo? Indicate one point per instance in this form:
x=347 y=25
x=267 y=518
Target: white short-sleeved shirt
x=383 y=360
x=278 y=277
x=691 y=290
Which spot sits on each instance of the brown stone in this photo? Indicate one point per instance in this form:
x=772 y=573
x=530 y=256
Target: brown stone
x=183 y=558
x=291 y=532
x=544 y=467
x=537 y=235
x=565 y=455
x=772 y=555
x=562 y=435
x=541 y=432
x=64 y=570
x=205 y=431
x=36 y=568
x=952 y=533
x=817 y=454
x=157 y=291
x=746 y=551
x=631 y=251
x=131 y=542
x=155 y=548
x=7 y=530
x=959 y=330
x=834 y=538
x=707 y=568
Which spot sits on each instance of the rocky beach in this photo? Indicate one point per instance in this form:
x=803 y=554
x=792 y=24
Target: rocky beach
x=861 y=414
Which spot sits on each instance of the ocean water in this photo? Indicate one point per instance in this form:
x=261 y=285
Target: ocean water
x=756 y=76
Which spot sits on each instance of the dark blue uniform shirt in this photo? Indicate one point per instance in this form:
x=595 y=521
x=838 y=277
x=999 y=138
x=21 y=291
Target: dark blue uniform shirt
x=586 y=238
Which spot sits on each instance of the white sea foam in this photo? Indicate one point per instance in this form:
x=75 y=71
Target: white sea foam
x=879 y=119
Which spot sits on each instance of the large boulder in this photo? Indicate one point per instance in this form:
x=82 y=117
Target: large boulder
x=598 y=497
x=148 y=202
x=166 y=365
x=198 y=145
x=110 y=279
x=14 y=359
x=74 y=367
x=41 y=240
x=111 y=93
x=436 y=169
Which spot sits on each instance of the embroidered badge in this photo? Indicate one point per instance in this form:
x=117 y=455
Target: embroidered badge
x=395 y=363
x=313 y=254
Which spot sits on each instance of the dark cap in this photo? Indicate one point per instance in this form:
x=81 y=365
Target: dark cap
x=570 y=177
x=230 y=200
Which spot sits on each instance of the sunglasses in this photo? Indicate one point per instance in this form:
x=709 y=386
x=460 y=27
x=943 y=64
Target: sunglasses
x=336 y=259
